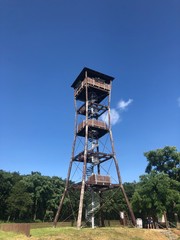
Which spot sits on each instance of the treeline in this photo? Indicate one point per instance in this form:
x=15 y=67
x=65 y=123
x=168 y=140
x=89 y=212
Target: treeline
x=158 y=191
x=28 y=197
x=35 y=197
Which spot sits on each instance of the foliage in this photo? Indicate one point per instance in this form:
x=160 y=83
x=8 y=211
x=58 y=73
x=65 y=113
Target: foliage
x=29 y=197
x=156 y=193
x=19 y=202
x=165 y=160
x=130 y=189
x=7 y=181
x=114 y=202
x=35 y=197
x=41 y=189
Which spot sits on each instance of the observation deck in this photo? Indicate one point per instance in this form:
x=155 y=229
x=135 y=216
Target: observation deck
x=97 y=83
x=96 y=179
x=96 y=128
x=94 y=109
x=101 y=156
x=94 y=86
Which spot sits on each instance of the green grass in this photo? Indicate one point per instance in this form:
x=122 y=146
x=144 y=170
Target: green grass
x=85 y=233
x=72 y=233
x=8 y=235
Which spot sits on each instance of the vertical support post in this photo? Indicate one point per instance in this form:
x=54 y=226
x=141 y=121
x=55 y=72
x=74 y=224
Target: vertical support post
x=98 y=166
x=101 y=217
x=93 y=205
x=117 y=166
x=69 y=170
x=62 y=198
x=79 y=221
x=166 y=221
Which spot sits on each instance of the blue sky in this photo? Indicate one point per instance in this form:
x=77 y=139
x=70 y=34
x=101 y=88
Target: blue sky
x=45 y=44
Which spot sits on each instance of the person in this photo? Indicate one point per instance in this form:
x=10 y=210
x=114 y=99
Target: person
x=151 y=222
x=148 y=222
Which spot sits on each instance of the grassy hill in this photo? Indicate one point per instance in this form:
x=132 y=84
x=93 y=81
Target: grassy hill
x=111 y=233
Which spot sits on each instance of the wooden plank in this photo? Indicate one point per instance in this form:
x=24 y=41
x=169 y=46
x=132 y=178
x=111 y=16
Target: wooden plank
x=94 y=83
x=23 y=228
x=92 y=123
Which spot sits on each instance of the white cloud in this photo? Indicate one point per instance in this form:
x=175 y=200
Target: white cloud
x=114 y=115
x=122 y=105
x=178 y=101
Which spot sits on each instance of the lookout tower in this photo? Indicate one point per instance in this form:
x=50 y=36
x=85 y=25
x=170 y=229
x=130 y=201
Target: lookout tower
x=92 y=91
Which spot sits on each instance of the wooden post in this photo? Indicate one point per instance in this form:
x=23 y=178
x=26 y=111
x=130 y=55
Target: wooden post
x=69 y=170
x=117 y=169
x=101 y=217
x=84 y=167
x=166 y=221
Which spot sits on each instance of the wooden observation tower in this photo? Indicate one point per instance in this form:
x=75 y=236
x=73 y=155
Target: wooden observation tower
x=92 y=92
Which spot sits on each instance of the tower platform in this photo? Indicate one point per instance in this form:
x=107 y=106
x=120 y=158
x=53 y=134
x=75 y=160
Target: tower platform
x=101 y=156
x=97 y=83
x=95 y=127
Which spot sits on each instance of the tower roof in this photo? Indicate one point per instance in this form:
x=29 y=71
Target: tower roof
x=92 y=74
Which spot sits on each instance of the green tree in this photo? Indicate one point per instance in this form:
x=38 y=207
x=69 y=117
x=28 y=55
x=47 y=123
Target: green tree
x=31 y=196
x=156 y=193
x=129 y=189
x=7 y=181
x=165 y=160
x=45 y=192
x=114 y=201
x=57 y=185
x=41 y=189
x=19 y=202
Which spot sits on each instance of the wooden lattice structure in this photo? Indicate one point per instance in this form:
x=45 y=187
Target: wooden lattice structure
x=91 y=89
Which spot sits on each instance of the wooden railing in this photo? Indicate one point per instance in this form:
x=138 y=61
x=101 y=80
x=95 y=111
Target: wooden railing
x=99 y=179
x=92 y=123
x=94 y=83
x=23 y=228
